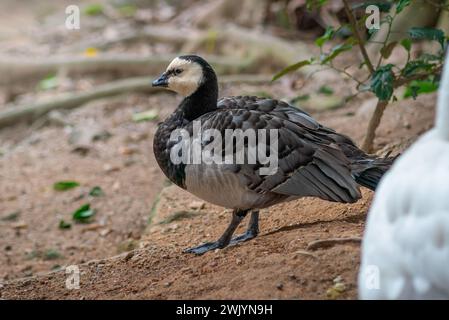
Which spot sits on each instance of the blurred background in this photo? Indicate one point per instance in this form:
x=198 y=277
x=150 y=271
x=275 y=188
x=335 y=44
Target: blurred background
x=78 y=179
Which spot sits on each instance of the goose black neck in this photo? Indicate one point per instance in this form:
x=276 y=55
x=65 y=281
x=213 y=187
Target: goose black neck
x=202 y=101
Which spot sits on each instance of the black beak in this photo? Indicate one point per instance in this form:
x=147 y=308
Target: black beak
x=162 y=81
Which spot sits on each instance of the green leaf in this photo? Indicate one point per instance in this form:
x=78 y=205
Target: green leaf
x=290 y=68
x=64 y=225
x=94 y=9
x=315 y=4
x=407 y=44
x=427 y=34
x=416 y=65
x=96 y=192
x=83 y=213
x=418 y=87
x=145 y=115
x=401 y=4
x=382 y=82
x=335 y=52
x=49 y=82
x=325 y=37
x=65 y=185
x=326 y=90
x=384 y=6
x=388 y=49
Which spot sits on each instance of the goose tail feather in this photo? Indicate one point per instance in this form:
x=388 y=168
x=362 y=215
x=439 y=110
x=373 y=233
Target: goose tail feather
x=369 y=172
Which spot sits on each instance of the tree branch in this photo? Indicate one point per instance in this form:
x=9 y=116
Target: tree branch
x=359 y=38
x=15 y=113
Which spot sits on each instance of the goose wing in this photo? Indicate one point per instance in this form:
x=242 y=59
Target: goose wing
x=308 y=163
x=283 y=110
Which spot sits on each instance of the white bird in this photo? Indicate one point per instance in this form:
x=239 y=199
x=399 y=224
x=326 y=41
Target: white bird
x=405 y=250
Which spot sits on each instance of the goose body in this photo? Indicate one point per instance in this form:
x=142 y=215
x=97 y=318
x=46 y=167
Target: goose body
x=405 y=251
x=312 y=160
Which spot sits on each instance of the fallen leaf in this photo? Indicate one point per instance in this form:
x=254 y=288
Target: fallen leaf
x=83 y=213
x=93 y=9
x=90 y=52
x=64 y=225
x=19 y=225
x=65 y=185
x=96 y=192
x=49 y=82
x=145 y=115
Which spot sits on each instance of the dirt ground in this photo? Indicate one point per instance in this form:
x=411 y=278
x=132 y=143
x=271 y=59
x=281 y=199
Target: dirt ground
x=133 y=247
x=275 y=265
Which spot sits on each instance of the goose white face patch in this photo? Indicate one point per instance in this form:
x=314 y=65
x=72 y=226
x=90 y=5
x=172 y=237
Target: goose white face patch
x=188 y=78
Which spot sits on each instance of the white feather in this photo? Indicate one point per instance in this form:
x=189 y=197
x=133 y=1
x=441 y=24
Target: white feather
x=407 y=234
x=189 y=80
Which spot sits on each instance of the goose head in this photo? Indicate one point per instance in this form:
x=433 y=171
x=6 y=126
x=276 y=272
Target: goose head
x=186 y=75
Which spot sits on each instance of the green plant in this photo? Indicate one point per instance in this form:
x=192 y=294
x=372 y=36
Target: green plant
x=417 y=74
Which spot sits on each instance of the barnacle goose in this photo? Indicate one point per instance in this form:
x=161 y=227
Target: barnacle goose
x=313 y=161
x=405 y=249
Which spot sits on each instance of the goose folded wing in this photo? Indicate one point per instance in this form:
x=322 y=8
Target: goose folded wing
x=308 y=165
x=285 y=111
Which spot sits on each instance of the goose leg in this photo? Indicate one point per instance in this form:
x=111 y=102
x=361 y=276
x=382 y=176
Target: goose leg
x=225 y=239
x=251 y=232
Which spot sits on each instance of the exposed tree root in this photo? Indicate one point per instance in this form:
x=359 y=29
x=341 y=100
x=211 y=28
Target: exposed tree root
x=325 y=243
x=253 y=42
x=13 y=114
x=14 y=70
x=306 y=253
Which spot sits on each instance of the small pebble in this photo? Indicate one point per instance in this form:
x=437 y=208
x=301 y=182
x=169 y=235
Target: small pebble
x=197 y=205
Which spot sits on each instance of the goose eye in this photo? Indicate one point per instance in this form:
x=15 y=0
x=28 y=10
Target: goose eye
x=177 y=71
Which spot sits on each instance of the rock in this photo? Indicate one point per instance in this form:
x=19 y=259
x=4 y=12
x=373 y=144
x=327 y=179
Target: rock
x=129 y=255
x=197 y=205
x=107 y=167
x=105 y=232
x=116 y=186
x=128 y=150
x=338 y=279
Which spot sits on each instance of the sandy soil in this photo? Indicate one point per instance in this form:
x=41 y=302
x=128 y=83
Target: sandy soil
x=275 y=265
x=133 y=246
